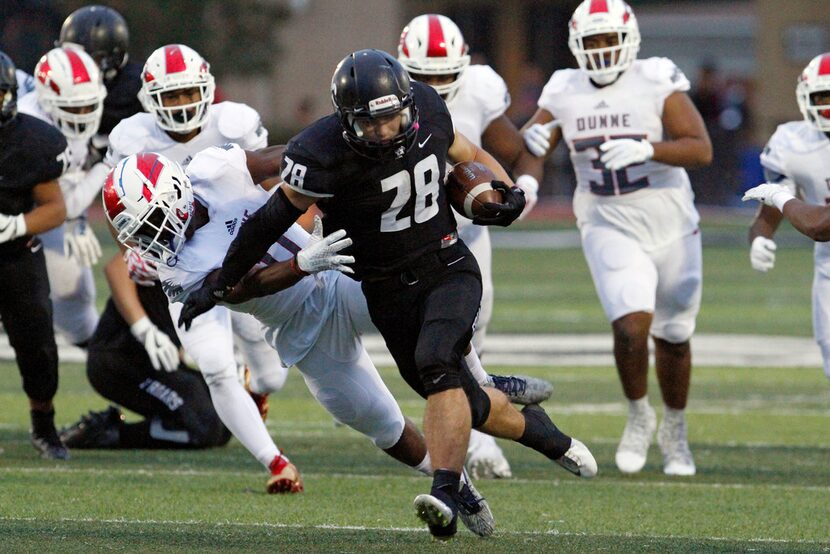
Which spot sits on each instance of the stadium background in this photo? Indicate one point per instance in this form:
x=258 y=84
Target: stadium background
x=759 y=405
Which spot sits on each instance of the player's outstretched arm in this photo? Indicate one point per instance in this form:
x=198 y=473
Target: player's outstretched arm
x=810 y=220
x=50 y=210
x=255 y=236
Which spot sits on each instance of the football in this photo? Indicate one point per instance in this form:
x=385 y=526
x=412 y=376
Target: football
x=468 y=188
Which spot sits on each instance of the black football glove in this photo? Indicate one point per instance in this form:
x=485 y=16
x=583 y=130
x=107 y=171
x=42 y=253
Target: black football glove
x=199 y=302
x=504 y=213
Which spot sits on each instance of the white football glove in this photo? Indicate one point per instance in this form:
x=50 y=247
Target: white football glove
x=537 y=138
x=11 y=227
x=620 y=153
x=770 y=194
x=79 y=242
x=142 y=272
x=762 y=254
x=322 y=252
x=530 y=186
x=163 y=353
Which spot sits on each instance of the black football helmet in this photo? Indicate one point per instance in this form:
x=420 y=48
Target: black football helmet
x=8 y=89
x=371 y=84
x=102 y=32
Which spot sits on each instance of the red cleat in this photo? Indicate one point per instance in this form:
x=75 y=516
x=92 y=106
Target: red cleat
x=285 y=477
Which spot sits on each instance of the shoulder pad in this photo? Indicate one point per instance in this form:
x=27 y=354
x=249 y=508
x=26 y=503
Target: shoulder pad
x=30 y=106
x=214 y=171
x=488 y=87
x=796 y=136
x=663 y=71
x=130 y=136
x=235 y=120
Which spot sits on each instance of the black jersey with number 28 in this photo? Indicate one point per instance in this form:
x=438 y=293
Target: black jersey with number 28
x=395 y=210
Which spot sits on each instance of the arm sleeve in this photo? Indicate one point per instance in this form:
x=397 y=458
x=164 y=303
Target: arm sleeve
x=79 y=197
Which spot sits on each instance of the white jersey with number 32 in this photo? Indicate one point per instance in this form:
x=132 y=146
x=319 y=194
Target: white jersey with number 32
x=651 y=202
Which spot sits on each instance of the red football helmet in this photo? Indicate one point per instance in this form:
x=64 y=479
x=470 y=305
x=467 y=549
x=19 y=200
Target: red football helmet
x=69 y=88
x=175 y=67
x=433 y=45
x=815 y=79
x=598 y=17
x=148 y=200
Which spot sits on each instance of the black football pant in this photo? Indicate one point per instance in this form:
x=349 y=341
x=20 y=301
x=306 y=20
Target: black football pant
x=26 y=312
x=426 y=316
x=177 y=405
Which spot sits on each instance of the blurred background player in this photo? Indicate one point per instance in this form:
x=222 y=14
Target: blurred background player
x=177 y=91
x=69 y=94
x=433 y=51
x=31 y=160
x=631 y=129
x=103 y=33
x=797 y=157
x=139 y=367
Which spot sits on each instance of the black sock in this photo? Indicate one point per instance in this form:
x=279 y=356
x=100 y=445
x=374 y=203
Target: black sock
x=542 y=435
x=43 y=423
x=446 y=481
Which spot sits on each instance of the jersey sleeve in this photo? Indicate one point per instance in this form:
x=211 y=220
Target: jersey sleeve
x=215 y=172
x=127 y=138
x=493 y=94
x=241 y=124
x=665 y=76
x=555 y=87
x=774 y=155
x=301 y=171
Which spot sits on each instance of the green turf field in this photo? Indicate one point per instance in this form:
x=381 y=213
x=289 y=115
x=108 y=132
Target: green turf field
x=761 y=438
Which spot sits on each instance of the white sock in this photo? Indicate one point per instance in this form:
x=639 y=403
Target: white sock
x=238 y=412
x=638 y=406
x=473 y=363
x=267 y=372
x=425 y=466
x=671 y=415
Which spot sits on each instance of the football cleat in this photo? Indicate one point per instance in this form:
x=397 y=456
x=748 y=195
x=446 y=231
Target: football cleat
x=285 y=477
x=261 y=400
x=95 y=430
x=485 y=460
x=578 y=460
x=637 y=436
x=45 y=438
x=677 y=458
x=522 y=389
x=473 y=509
x=437 y=514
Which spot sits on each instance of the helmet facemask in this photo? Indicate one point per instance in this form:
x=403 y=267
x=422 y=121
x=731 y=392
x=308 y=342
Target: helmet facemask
x=811 y=102
x=605 y=64
x=181 y=118
x=77 y=118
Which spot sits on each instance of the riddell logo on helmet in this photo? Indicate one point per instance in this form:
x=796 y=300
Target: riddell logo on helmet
x=383 y=103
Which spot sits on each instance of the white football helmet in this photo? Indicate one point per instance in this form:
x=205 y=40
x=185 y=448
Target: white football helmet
x=815 y=78
x=175 y=67
x=433 y=45
x=148 y=200
x=596 y=17
x=67 y=80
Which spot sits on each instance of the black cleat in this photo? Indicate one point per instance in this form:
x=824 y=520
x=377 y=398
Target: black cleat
x=521 y=389
x=438 y=511
x=95 y=430
x=45 y=438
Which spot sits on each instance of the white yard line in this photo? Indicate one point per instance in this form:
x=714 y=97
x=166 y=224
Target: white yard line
x=554 y=481
x=335 y=527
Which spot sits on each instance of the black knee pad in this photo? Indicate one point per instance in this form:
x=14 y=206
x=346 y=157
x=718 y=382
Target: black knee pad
x=479 y=405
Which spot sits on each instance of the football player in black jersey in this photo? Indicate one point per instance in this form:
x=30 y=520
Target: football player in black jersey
x=31 y=160
x=104 y=34
x=376 y=168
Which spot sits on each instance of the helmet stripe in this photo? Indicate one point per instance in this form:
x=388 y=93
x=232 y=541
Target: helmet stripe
x=79 y=72
x=598 y=6
x=174 y=59
x=44 y=74
x=824 y=65
x=437 y=47
x=149 y=166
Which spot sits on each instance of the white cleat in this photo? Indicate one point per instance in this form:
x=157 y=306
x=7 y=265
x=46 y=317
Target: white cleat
x=473 y=510
x=579 y=460
x=485 y=460
x=677 y=458
x=637 y=437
